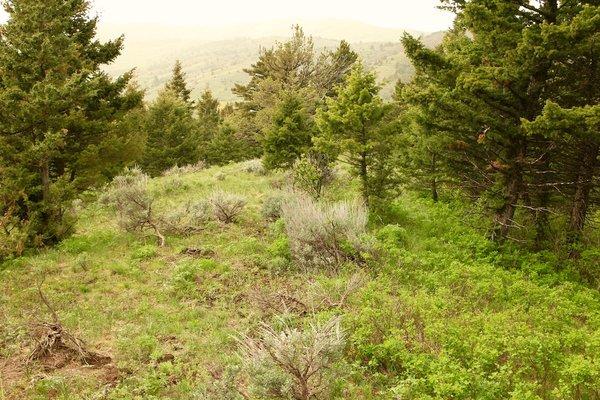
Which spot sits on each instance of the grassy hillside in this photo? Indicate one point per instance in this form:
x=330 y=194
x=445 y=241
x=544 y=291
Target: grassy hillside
x=215 y=58
x=432 y=311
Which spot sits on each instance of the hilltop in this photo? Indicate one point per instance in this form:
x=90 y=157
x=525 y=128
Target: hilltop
x=432 y=310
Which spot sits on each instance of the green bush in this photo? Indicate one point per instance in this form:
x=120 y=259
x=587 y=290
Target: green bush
x=145 y=252
x=392 y=236
x=312 y=174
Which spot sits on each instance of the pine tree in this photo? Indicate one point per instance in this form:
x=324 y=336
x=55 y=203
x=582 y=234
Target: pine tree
x=173 y=138
x=291 y=66
x=58 y=113
x=500 y=65
x=290 y=135
x=207 y=108
x=351 y=128
x=333 y=67
x=178 y=84
x=226 y=147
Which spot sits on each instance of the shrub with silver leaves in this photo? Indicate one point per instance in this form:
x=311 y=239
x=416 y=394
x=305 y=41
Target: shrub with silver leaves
x=128 y=194
x=255 y=167
x=186 y=169
x=293 y=363
x=272 y=206
x=226 y=206
x=189 y=219
x=324 y=234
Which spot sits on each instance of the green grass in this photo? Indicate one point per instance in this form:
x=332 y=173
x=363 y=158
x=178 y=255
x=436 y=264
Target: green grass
x=442 y=313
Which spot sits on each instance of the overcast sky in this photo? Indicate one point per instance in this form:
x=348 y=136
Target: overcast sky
x=419 y=15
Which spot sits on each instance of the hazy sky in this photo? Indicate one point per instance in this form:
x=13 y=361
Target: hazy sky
x=411 y=14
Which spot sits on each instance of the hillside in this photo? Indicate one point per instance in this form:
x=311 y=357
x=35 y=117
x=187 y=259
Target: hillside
x=215 y=58
x=433 y=310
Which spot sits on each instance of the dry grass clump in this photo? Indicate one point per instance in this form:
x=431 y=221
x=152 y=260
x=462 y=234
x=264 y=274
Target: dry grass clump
x=324 y=234
x=129 y=195
x=220 y=176
x=226 y=206
x=293 y=363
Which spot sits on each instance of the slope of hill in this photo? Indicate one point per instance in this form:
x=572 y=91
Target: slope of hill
x=431 y=313
x=215 y=58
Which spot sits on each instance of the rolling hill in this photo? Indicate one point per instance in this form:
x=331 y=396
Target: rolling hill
x=215 y=57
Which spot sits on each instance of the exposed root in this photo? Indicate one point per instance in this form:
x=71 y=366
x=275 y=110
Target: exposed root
x=54 y=340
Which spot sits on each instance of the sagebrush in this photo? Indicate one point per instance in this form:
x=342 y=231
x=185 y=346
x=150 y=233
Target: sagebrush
x=293 y=363
x=324 y=234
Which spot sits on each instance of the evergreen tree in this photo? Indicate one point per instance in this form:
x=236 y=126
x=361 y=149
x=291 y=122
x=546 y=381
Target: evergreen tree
x=226 y=147
x=291 y=66
x=172 y=135
x=333 y=67
x=207 y=108
x=290 y=135
x=351 y=128
x=578 y=129
x=59 y=113
x=178 y=84
x=499 y=66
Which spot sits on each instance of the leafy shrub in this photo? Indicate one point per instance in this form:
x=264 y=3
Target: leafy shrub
x=324 y=235
x=226 y=206
x=129 y=195
x=13 y=236
x=312 y=173
x=392 y=237
x=184 y=277
x=588 y=267
x=255 y=167
x=293 y=363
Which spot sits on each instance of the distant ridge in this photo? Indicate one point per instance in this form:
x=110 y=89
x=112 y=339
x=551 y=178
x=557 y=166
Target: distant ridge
x=214 y=57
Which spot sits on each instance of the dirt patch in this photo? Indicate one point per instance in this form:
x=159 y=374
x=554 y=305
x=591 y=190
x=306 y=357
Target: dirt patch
x=18 y=374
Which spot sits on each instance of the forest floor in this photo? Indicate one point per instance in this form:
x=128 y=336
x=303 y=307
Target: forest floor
x=162 y=322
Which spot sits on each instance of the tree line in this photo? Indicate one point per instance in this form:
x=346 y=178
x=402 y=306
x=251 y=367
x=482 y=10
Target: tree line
x=505 y=111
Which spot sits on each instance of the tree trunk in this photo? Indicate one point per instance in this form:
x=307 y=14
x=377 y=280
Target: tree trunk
x=583 y=187
x=504 y=216
x=364 y=177
x=513 y=192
